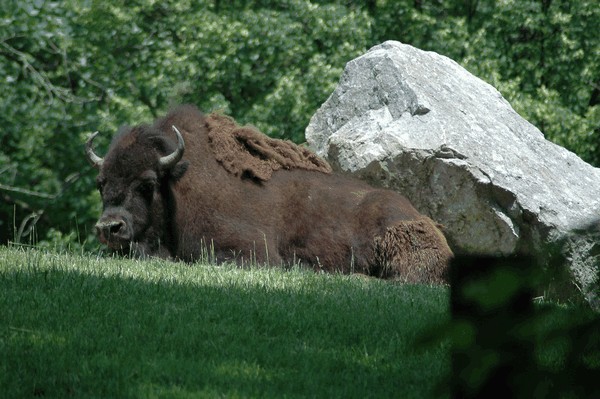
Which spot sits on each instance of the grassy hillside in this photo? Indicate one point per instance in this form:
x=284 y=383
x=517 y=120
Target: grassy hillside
x=78 y=326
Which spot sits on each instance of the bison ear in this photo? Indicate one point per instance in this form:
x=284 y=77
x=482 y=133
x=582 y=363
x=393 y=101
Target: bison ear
x=179 y=170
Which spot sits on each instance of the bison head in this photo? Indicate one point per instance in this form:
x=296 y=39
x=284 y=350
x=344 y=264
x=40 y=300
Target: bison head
x=133 y=182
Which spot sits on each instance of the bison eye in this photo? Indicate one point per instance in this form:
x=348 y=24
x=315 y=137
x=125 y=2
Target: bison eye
x=146 y=187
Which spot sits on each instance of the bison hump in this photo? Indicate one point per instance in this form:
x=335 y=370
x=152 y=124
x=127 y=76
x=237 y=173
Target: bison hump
x=247 y=153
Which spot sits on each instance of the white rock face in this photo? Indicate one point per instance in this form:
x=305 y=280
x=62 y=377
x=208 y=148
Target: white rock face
x=419 y=123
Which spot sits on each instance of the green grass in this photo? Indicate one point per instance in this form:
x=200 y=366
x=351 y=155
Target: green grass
x=80 y=326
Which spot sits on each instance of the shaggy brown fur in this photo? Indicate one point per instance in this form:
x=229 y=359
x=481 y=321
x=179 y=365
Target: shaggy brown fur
x=246 y=152
x=411 y=251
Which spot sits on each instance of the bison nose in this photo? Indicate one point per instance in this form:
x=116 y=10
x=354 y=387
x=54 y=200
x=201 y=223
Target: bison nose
x=109 y=228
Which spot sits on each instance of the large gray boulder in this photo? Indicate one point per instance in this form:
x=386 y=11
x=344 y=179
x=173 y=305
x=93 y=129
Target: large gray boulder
x=419 y=123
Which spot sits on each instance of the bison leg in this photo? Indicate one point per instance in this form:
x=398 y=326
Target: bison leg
x=411 y=251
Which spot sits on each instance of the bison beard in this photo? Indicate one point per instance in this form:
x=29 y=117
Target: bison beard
x=189 y=179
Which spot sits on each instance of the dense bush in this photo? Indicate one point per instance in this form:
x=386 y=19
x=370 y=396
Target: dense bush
x=68 y=68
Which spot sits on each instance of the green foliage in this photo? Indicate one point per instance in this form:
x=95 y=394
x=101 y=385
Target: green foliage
x=504 y=344
x=79 y=326
x=68 y=68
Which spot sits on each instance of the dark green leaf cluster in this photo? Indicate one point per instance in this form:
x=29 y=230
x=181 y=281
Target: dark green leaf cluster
x=504 y=343
x=68 y=68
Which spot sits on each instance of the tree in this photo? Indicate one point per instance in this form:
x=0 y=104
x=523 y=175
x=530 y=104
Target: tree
x=75 y=67
x=68 y=68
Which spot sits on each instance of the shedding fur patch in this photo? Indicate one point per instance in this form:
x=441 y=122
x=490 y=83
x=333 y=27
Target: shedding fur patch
x=412 y=251
x=245 y=152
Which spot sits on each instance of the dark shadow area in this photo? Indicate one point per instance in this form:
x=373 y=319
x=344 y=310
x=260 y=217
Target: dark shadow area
x=506 y=345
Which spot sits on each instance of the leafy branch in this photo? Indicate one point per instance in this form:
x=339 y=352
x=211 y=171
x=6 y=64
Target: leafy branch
x=41 y=78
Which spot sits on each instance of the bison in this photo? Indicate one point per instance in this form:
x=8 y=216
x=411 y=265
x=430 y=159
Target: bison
x=191 y=181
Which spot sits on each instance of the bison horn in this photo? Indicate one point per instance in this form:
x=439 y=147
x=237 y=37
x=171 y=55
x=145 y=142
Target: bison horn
x=94 y=159
x=168 y=161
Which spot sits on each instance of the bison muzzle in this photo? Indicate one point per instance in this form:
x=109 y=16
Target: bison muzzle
x=191 y=180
